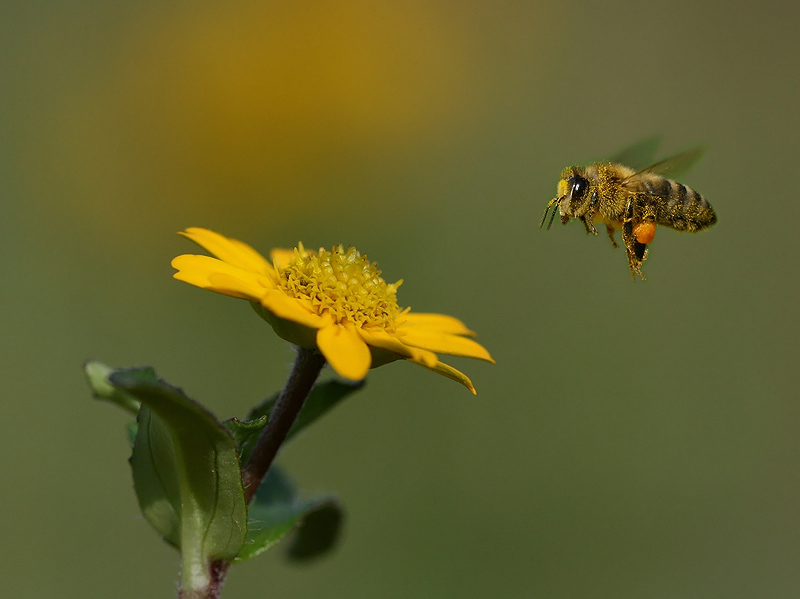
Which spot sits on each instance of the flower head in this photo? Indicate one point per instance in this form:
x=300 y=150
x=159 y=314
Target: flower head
x=334 y=301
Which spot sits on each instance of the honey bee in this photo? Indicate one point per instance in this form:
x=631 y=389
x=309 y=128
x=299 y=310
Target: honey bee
x=635 y=201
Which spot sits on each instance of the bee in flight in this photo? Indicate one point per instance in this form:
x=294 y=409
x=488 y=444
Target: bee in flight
x=633 y=200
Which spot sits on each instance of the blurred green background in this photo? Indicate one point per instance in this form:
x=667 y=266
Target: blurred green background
x=633 y=440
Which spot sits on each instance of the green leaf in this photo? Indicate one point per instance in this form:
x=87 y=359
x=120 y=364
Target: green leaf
x=186 y=471
x=97 y=374
x=131 y=429
x=276 y=510
x=322 y=398
x=156 y=477
x=318 y=532
x=245 y=433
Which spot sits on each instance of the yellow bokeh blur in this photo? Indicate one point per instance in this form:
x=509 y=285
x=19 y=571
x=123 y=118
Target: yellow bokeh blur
x=260 y=93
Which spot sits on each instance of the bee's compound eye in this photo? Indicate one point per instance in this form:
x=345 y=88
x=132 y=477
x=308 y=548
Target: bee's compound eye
x=578 y=187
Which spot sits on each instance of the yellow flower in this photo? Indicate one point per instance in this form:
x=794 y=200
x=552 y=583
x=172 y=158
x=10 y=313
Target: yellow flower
x=334 y=301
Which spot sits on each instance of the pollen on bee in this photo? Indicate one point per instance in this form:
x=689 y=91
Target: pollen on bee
x=644 y=232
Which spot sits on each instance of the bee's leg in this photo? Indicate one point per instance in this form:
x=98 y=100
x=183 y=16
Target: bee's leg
x=643 y=234
x=588 y=222
x=588 y=218
x=635 y=254
x=645 y=229
x=611 y=232
x=640 y=250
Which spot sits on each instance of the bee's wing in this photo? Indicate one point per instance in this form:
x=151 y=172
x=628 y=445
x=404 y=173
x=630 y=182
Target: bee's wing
x=673 y=166
x=639 y=154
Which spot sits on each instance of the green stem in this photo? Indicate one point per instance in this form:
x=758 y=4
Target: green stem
x=307 y=366
x=195 y=574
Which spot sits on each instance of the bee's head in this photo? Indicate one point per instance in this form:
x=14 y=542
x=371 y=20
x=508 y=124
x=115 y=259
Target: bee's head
x=572 y=194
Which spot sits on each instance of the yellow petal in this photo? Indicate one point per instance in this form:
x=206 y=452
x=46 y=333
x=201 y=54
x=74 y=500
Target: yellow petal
x=453 y=374
x=345 y=351
x=443 y=343
x=228 y=250
x=230 y=280
x=381 y=339
x=289 y=308
x=281 y=257
x=437 y=322
x=235 y=286
x=293 y=332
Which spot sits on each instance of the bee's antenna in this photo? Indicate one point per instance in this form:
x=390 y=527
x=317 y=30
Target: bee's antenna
x=544 y=217
x=552 y=216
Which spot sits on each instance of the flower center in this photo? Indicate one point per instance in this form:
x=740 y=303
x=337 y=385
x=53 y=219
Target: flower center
x=343 y=284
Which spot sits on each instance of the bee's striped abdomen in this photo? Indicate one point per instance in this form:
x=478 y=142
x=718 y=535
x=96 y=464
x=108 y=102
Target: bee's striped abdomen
x=683 y=209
